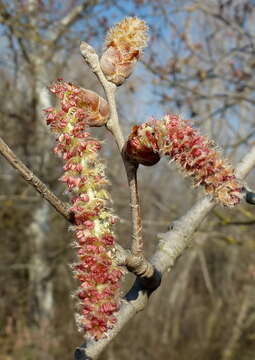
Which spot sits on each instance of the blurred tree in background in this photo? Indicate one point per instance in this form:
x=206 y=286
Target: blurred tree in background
x=200 y=63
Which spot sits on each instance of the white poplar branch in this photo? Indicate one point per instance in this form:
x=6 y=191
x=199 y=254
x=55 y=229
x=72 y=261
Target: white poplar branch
x=171 y=245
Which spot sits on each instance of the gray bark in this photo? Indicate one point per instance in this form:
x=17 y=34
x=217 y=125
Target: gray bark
x=40 y=281
x=41 y=285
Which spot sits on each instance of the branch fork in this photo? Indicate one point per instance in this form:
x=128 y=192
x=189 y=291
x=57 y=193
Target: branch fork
x=138 y=264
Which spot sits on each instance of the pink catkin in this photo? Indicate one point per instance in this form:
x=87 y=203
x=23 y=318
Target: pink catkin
x=195 y=154
x=84 y=176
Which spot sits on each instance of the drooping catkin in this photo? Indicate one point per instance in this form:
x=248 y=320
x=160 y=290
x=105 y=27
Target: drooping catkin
x=96 y=270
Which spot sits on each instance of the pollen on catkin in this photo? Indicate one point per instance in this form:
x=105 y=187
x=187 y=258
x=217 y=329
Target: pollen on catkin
x=84 y=175
x=124 y=44
x=91 y=108
x=195 y=155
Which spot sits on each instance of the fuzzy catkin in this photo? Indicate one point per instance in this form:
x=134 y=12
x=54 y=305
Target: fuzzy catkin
x=195 y=155
x=96 y=270
x=123 y=46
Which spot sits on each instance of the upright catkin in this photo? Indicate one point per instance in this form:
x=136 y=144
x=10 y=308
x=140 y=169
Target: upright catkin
x=195 y=155
x=124 y=44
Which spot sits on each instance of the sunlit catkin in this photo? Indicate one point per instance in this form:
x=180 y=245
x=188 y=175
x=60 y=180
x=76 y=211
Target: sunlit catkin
x=123 y=46
x=96 y=270
x=195 y=155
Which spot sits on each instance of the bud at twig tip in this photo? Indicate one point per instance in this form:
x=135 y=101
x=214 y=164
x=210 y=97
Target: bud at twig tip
x=123 y=46
x=86 y=48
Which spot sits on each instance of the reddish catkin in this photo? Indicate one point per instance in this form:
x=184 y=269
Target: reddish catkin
x=84 y=176
x=123 y=46
x=195 y=155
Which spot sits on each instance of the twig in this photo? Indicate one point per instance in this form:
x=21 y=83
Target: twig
x=172 y=245
x=137 y=241
x=145 y=269
x=90 y=56
x=231 y=347
x=33 y=180
x=64 y=24
x=123 y=256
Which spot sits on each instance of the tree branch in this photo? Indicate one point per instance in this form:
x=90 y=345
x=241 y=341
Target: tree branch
x=137 y=241
x=136 y=263
x=64 y=24
x=90 y=56
x=33 y=180
x=122 y=256
x=172 y=244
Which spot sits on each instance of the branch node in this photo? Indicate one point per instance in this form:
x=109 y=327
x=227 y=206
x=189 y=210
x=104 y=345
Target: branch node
x=139 y=266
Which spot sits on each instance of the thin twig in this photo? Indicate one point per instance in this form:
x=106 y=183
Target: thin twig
x=137 y=241
x=230 y=349
x=91 y=58
x=65 y=23
x=33 y=180
x=122 y=256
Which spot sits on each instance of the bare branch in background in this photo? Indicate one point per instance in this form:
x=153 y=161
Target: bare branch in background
x=33 y=180
x=77 y=12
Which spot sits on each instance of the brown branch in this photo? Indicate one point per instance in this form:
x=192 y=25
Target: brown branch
x=123 y=256
x=137 y=240
x=33 y=180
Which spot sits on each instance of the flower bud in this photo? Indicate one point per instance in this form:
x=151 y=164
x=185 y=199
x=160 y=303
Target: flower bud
x=138 y=148
x=123 y=46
